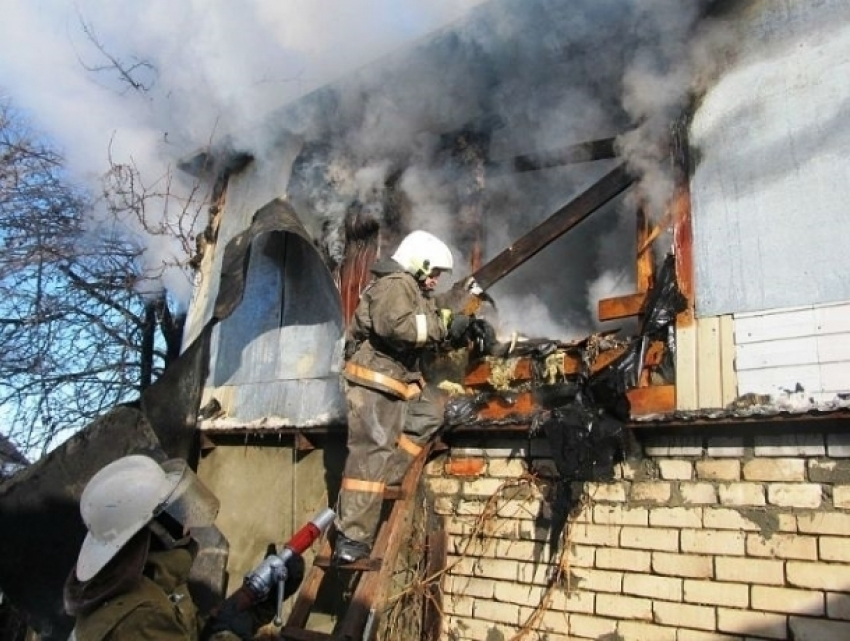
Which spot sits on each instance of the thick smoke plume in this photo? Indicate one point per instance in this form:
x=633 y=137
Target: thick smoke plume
x=419 y=114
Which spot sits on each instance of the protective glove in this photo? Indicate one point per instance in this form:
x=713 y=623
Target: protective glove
x=482 y=335
x=458 y=327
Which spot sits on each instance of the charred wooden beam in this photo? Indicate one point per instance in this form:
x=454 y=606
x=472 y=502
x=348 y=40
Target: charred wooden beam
x=583 y=152
x=605 y=189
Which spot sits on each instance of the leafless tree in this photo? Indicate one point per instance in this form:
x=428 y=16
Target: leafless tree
x=80 y=330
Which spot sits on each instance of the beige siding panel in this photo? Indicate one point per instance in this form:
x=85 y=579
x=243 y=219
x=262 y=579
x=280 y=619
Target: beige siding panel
x=705 y=364
x=729 y=379
x=785 y=350
x=709 y=387
x=686 y=368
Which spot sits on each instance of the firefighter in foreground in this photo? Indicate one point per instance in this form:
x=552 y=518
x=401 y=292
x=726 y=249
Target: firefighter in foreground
x=391 y=412
x=130 y=579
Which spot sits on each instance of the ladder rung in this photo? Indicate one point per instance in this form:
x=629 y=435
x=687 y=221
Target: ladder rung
x=363 y=565
x=393 y=493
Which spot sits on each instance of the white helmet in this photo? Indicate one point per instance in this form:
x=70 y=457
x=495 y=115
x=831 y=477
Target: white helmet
x=420 y=252
x=126 y=495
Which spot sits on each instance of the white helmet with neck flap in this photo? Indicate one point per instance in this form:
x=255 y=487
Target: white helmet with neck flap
x=419 y=253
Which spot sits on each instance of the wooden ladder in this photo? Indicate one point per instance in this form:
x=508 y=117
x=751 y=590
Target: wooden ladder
x=369 y=597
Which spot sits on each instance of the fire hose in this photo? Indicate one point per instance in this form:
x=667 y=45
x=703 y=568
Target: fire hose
x=272 y=571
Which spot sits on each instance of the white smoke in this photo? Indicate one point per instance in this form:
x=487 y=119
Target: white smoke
x=150 y=81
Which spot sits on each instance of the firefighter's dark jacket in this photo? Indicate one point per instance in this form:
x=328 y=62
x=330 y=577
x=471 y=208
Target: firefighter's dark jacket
x=143 y=595
x=392 y=324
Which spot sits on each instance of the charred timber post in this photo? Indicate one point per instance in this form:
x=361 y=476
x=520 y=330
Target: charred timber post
x=603 y=149
x=605 y=189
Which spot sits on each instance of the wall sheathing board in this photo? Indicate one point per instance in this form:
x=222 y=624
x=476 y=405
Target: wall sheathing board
x=798 y=350
x=770 y=182
x=705 y=364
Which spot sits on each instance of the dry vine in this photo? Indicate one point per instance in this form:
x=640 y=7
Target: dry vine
x=559 y=578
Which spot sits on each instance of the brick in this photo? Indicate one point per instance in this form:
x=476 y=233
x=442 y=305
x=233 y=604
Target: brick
x=644 y=538
x=469 y=586
x=620 y=515
x=824 y=523
x=607 y=492
x=728 y=519
x=718 y=470
x=674 y=446
x=774 y=469
x=637 y=631
x=676 y=470
x=828 y=471
x=544 y=468
x=445 y=485
x=496 y=568
x=804 y=629
x=506 y=468
x=654 y=587
x=838 y=606
x=518 y=593
x=617 y=559
x=712 y=542
x=717 y=593
x=819 y=576
x=604 y=535
x=841 y=496
x=589 y=627
x=493 y=611
x=748 y=622
x=459 y=605
x=465 y=507
x=465 y=466
x=597 y=580
x=741 y=494
x=783 y=546
x=551 y=622
x=790 y=445
x=726 y=446
x=833 y=548
x=679 y=517
x=794 y=495
x=684 y=565
x=469 y=628
x=629 y=470
x=698 y=493
x=684 y=616
x=624 y=607
x=582 y=556
x=651 y=492
x=572 y=601
x=484 y=487
x=838 y=445
x=697 y=635
x=760 y=571
x=520 y=550
x=787 y=600
x=444 y=506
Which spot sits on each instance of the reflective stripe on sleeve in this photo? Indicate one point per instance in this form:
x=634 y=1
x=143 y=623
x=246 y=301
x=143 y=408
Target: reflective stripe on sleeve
x=421 y=329
x=409 y=446
x=359 y=485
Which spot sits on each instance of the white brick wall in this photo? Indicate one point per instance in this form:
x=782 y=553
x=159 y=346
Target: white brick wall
x=721 y=549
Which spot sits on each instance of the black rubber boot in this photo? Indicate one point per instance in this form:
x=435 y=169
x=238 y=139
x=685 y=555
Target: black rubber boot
x=348 y=551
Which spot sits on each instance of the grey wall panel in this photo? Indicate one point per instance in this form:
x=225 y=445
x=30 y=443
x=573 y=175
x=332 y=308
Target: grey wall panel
x=771 y=183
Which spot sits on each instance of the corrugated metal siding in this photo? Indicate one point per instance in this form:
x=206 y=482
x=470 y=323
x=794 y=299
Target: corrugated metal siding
x=809 y=347
x=275 y=360
x=705 y=374
x=771 y=183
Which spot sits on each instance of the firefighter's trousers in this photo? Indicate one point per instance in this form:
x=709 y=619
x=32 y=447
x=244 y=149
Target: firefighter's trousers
x=385 y=434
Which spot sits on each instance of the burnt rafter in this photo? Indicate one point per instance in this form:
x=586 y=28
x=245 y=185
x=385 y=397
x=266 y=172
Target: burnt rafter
x=603 y=149
x=601 y=192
